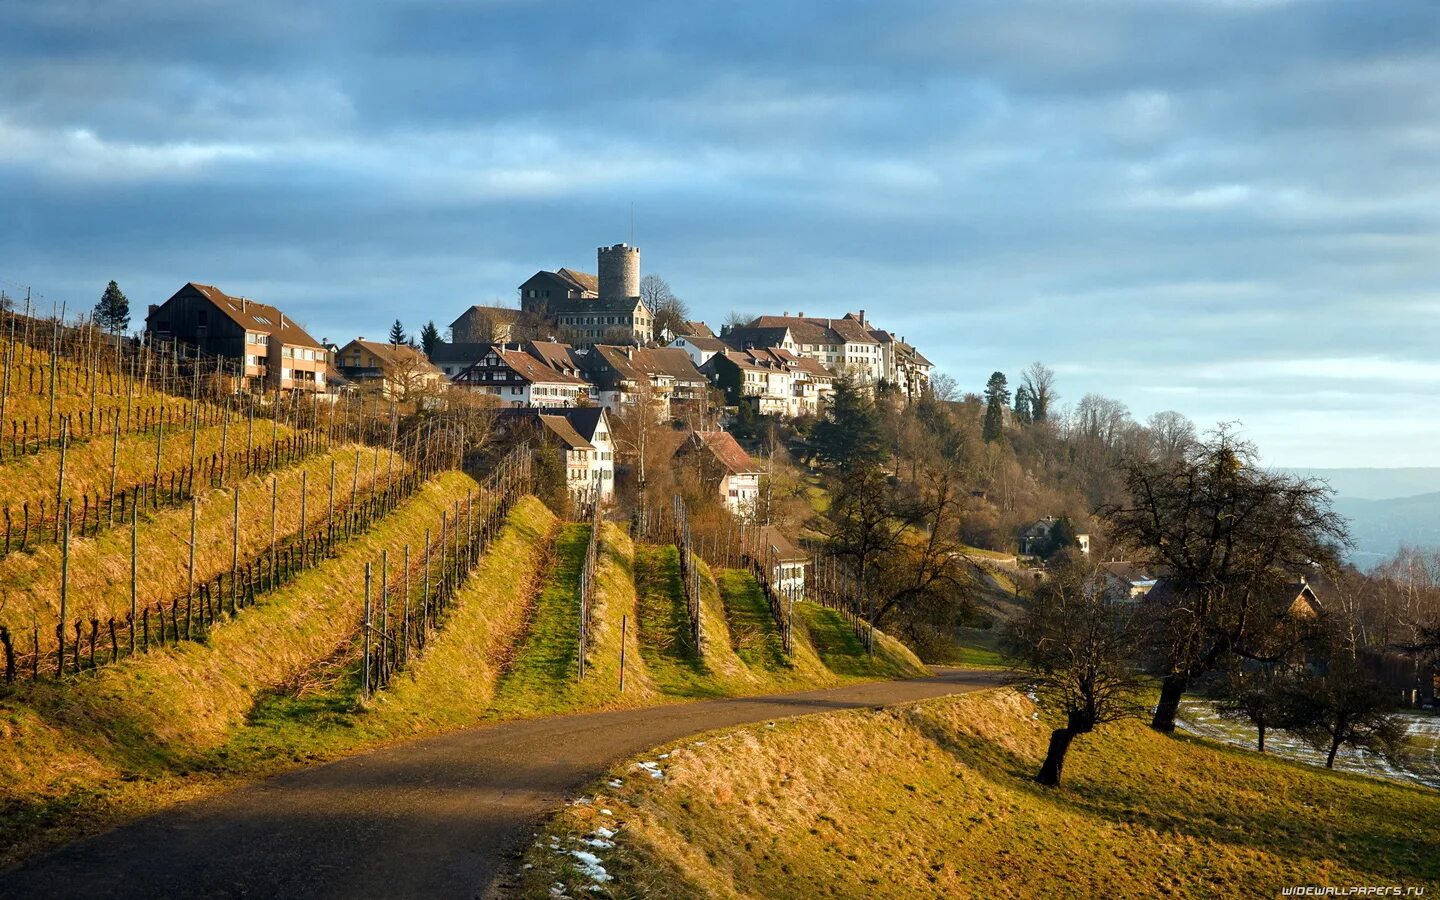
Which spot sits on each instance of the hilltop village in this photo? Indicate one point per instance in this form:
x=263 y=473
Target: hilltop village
x=577 y=349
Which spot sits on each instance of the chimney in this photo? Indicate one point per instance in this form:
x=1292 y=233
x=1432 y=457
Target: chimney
x=802 y=313
x=862 y=317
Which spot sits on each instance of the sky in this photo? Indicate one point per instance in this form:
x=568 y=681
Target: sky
x=1229 y=208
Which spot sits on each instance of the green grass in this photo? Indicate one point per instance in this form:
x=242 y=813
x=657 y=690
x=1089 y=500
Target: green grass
x=665 y=645
x=973 y=647
x=936 y=799
x=843 y=652
x=753 y=632
x=546 y=665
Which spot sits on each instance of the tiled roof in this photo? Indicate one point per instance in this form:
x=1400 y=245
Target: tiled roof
x=459 y=353
x=753 y=335
x=254 y=316
x=582 y=280
x=392 y=354
x=501 y=314
x=728 y=451
x=561 y=428
x=586 y=305
x=533 y=370
x=772 y=538
x=819 y=331
x=698 y=329
x=708 y=344
x=558 y=356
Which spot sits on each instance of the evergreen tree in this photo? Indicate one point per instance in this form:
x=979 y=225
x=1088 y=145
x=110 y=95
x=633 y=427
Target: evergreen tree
x=397 y=334
x=849 y=436
x=112 y=313
x=997 y=397
x=429 y=337
x=1024 y=406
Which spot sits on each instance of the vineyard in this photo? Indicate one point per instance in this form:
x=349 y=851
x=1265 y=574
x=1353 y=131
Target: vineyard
x=199 y=586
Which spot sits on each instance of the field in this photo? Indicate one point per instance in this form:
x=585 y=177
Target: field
x=936 y=799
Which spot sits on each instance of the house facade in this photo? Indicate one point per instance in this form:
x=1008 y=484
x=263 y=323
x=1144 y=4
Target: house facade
x=621 y=373
x=519 y=379
x=845 y=345
x=395 y=372
x=271 y=351
x=724 y=464
x=784 y=564
x=699 y=347
x=586 y=443
x=774 y=381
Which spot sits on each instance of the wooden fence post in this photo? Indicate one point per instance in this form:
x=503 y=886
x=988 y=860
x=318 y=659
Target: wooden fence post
x=365 y=641
x=134 y=574
x=64 y=592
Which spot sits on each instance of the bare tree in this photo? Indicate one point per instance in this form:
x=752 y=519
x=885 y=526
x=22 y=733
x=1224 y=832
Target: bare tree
x=1038 y=380
x=1173 y=434
x=1075 y=646
x=667 y=310
x=736 y=319
x=945 y=387
x=1230 y=533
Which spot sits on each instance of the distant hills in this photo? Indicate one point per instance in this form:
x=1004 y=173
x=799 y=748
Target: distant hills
x=1387 y=508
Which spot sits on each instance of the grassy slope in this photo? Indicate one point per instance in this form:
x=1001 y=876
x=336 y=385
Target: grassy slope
x=541 y=679
x=71 y=398
x=936 y=800
x=87 y=465
x=278 y=686
x=155 y=710
x=100 y=566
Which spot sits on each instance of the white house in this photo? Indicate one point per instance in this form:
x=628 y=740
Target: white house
x=783 y=562
x=699 y=347
x=522 y=380
x=584 y=435
x=724 y=463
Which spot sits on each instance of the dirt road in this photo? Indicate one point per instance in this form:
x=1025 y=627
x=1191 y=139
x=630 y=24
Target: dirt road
x=439 y=817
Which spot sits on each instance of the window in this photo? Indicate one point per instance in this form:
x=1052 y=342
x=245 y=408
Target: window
x=263 y=321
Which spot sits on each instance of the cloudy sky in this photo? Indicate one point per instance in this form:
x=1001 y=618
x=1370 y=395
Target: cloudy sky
x=1225 y=207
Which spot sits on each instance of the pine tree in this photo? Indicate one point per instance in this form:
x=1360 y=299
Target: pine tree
x=997 y=397
x=112 y=312
x=1024 y=406
x=429 y=337
x=397 y=334
x=849 y=436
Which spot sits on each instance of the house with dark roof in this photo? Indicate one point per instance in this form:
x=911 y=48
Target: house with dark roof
x=1296 y=597
x=584 y=438
x=271 y=350
x=721 y=461
x=454 y=358
x=394 y=371
x=485 y=324
x=521 y=379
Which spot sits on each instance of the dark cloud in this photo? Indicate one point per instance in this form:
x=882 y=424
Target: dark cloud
x=1222 y=206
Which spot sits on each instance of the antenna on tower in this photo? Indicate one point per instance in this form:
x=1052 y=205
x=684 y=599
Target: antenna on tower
x=632 y=223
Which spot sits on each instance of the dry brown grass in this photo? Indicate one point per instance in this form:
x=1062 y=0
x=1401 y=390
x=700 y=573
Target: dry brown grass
x=100 y=566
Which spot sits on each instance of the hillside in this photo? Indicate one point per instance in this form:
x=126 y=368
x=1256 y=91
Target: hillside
x=278 y=685
x=935 y=799
x=1381 y=527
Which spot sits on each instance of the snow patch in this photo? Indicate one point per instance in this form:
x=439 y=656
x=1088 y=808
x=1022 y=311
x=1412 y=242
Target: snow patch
x=590 y=866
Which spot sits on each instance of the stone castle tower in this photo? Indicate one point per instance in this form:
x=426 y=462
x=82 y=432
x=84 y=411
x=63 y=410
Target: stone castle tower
x=619 y=271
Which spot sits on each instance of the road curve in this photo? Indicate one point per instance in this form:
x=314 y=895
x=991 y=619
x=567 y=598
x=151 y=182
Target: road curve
x=436 y=817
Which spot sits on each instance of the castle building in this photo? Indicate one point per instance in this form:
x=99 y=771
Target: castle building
x=591 y=309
